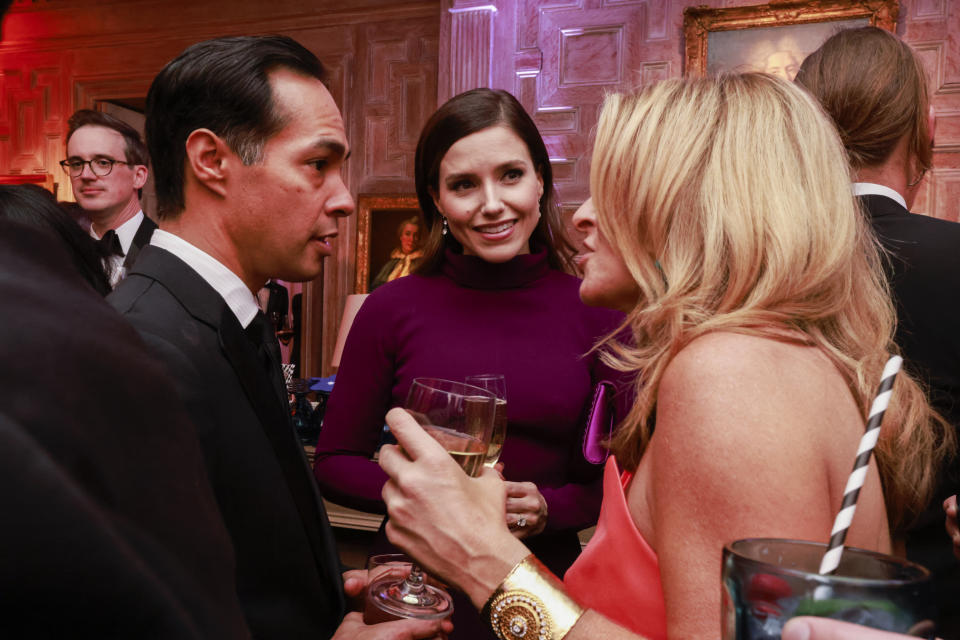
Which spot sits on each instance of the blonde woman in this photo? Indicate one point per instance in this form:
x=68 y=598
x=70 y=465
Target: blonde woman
x=722 y=223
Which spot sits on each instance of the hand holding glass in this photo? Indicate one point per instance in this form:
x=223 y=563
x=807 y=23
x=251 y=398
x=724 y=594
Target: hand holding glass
x=394 y=567
x=460 y=417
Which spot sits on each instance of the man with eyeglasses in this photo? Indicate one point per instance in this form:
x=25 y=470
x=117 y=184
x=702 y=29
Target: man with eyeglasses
x=107 y=165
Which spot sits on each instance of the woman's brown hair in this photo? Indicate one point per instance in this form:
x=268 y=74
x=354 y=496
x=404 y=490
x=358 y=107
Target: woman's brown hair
x=873 y=86
x=459 y=117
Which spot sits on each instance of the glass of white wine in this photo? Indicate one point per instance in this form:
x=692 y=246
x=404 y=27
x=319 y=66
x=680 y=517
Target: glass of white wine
x=497 y=385
x=460 y=417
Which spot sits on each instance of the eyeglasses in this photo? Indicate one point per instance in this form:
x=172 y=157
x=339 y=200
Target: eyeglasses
x=99 y=166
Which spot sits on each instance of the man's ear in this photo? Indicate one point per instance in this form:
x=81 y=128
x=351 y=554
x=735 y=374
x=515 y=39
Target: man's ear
x=139 y=176
x=207 y=154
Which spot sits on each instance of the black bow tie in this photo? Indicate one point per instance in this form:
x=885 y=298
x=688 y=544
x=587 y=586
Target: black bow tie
x=110 y=244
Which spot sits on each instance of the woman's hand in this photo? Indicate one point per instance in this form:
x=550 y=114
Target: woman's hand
x=826 y=629
x=526 y=510
x=950 y=508
x=450 y=523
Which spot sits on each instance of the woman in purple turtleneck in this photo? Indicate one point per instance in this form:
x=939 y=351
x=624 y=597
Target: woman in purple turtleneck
x=490 y=295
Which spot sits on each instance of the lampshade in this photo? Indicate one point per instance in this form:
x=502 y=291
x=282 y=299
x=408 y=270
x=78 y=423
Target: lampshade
x=354 y=302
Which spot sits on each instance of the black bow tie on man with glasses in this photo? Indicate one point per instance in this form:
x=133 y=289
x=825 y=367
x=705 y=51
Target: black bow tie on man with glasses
x=110 y=244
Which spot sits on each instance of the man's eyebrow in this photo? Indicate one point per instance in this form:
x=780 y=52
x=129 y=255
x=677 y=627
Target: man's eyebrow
x=94 y=157
x=331 y=146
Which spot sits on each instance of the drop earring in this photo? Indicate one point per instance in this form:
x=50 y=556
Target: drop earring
x=443 y=231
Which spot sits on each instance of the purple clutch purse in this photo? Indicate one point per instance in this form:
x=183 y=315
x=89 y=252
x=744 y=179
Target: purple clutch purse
x=599 y=424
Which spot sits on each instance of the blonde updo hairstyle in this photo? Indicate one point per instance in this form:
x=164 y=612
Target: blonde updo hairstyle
x=729 y=200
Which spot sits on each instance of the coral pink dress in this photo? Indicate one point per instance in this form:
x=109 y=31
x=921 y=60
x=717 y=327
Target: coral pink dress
x=618 y=574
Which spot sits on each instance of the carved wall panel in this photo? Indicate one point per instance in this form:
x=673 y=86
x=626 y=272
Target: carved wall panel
x=471 y=60
x=932 y=27
x=397 y=89
x=33 y=99
x=567 y=54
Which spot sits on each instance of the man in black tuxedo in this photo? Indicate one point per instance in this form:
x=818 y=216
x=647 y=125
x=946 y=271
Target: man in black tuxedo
x=874 y=87
x=107 y=163
x=247 y=147
x=109 y=525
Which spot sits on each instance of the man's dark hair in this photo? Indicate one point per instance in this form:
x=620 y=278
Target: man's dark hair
x=221 y=85
x=136 y=151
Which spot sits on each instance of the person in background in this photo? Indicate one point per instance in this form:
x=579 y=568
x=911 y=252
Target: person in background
x=107 y=164
x=110 y=528
x=873 y=86
x=722 y=224
x=404 y=258
x=490 y=295
x=247 y=147
x=783 y=64
x=36 y=207
x=274 y=299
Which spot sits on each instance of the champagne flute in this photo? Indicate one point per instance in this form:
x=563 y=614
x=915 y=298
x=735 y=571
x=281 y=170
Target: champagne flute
x=460 y=417
x=497 y=385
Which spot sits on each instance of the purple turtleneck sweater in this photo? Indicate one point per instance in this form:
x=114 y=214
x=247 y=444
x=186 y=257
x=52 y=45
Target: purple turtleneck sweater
x=520 y=318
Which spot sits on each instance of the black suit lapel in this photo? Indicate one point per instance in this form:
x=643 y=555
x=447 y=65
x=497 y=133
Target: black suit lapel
x=275 y=420
x=205 y=304
x=140 y=240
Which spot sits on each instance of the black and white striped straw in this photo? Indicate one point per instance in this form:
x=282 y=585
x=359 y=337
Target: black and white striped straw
x=831 y=559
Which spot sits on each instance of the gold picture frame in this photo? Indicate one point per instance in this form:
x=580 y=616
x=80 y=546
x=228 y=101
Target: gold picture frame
x=812 y=21
x=377 y=220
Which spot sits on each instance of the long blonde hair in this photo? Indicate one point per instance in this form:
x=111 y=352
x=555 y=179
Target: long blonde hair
x=729 y=200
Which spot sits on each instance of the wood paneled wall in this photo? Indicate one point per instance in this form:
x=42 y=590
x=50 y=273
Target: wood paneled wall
x=392 y=62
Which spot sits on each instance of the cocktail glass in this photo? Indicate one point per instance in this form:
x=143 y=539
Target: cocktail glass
x=767 y=581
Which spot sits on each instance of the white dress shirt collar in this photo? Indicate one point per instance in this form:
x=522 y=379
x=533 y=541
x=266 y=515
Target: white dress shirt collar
x=125 y=232
x=871 y=189
x=231 y=288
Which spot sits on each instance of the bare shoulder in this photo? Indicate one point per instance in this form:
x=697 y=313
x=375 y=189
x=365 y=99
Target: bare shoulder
x=741 y=422
x=721 y=354
x=751 y=385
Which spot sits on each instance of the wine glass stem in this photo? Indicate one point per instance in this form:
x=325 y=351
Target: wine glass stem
x=414 y=582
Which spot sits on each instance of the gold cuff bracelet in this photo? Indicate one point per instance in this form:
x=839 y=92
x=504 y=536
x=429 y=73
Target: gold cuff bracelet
x=530 y=604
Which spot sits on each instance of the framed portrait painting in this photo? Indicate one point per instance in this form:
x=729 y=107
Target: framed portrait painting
x=774 y=37
x=388 y=238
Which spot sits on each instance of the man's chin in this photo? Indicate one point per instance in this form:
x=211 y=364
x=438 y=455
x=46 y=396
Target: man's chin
x=303 y=273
